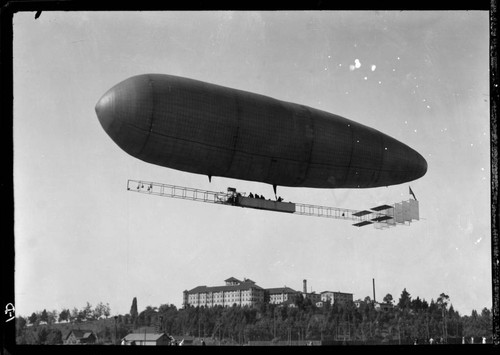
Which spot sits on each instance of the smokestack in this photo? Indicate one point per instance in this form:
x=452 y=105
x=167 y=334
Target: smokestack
x=305 y=286
x=373 y=290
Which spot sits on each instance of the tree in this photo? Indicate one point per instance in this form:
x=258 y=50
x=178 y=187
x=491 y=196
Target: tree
x=20 y=323
x=102 y=310
x=74 y=314
x=88 y=313
x=33 y=318
x=133 y=310
x=486 y=322
x=417 y=304
x=148 y=316
x=44 y=317
x=388 y=298
x=107 y=310
x=21 y=330
x=42 y=335
x=64 y=315
x=54 y=337
x=404 y=300
x=52 y=316
x=442 y=303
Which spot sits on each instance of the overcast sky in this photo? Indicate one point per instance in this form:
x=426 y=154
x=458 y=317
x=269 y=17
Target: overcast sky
x=80 y=236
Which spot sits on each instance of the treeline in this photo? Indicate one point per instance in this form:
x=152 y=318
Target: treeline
x=407 y=321
x=50 y=327
x=87 y=313
x=363 y=322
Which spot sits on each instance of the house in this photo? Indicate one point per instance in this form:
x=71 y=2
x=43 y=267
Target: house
x=185 y=339
x=336 y=297
x=78 y=336
x=146 y=339
x=279 y=295
x=384 y=307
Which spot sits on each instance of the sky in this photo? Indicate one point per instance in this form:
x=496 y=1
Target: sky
x=80 y=236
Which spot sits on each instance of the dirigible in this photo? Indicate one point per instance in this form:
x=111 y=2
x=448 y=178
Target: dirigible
x=208 y=129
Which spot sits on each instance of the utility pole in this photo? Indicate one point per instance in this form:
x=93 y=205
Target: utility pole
x=399 y=331
x=445 y=332
x=116 y=337
x=374 y=291
x=274 y=322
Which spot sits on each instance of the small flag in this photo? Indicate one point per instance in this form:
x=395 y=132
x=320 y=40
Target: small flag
x=411 y=193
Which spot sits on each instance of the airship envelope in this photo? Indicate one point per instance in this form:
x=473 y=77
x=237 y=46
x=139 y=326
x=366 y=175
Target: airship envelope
x=208 y=129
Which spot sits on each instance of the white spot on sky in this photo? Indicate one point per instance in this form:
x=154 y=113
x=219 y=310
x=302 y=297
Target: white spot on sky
x=326 y=68
x=357 y=65
x=406 y=122
x=428 y=106
x=482 y=169
x=479 y=240
x=340 y=64
x=366 y=78
x=415 y=130
x=393 y=69
x=374 y=67
x=329 y=56
x=472 y=144
x=347 y=92
x=380 y=82
x=399 y=58
x=423 y=100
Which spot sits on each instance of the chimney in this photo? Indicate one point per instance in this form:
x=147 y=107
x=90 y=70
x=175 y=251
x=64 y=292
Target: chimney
x=305 y=286
x=373 y=290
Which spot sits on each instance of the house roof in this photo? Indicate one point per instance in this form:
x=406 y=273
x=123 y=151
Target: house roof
x=144 y=336
x=241 y=286
x=280 y=290
x=80 y=334
x=232 y=279
x=337 y=292
x=142 y=330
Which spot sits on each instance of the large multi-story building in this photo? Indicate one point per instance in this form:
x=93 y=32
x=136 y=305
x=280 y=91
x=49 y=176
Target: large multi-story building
x=280 y=295
x=241 y=293
x=336 y=297
x=247 y=293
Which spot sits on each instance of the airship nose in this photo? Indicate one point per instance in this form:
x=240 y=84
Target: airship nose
x=125 y=113
x=105 y=109
x=420 y=166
